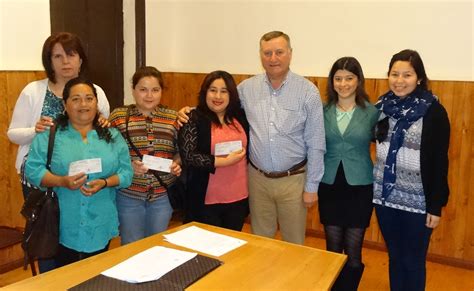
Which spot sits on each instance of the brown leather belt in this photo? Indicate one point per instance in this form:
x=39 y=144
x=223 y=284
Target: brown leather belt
x=296 y=169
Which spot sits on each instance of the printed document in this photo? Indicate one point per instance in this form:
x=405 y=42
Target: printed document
x=204 y=241
x=149 y=265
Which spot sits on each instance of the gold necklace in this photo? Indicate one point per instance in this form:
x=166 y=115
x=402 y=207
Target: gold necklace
x=346 y=109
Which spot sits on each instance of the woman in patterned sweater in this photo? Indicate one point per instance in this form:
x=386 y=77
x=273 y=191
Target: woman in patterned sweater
x=411 y=171
x=144 y=208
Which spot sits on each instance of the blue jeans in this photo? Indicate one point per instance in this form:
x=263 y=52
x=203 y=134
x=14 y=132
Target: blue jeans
x=142 y=218
x=407 y=240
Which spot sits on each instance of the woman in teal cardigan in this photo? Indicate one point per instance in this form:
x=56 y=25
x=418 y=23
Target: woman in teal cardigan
x=345 y=193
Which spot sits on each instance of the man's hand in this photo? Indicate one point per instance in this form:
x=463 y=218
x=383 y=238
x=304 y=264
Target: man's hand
x=309 y=198
x=183 y=117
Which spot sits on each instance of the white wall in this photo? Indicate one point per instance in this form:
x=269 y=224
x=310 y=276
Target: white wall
x=24 y=26
x=205 y=35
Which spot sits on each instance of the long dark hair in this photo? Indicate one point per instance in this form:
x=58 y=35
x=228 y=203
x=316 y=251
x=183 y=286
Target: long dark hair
x=352 y=65
x=414 y=58
x=63 y=119
x=234 y=101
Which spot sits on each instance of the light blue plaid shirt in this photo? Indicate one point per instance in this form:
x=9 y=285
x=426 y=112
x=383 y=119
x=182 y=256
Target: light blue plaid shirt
x=286 y=125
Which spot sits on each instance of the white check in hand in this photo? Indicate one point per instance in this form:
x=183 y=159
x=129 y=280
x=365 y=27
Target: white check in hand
x=88 y=166
x=225 y=148
x=156 y=163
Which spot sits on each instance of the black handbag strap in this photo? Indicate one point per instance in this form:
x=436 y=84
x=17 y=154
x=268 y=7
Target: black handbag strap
x=127 y=135
x=52 y=135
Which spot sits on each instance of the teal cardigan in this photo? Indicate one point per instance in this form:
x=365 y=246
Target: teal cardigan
x=352 y=148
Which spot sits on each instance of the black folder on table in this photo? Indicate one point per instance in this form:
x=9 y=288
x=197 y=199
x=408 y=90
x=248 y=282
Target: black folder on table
x=177 y=279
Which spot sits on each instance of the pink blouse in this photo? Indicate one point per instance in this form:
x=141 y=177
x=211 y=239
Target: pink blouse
x=228 y=184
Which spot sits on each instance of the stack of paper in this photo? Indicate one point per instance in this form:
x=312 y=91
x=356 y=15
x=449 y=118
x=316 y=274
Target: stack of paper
x=204 y=241
x=149 y=265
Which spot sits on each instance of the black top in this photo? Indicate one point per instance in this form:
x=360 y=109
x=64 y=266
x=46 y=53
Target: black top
x=434 y=158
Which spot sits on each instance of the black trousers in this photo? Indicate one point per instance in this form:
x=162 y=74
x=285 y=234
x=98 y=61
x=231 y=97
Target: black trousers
x=66 y=256
x=227 y=215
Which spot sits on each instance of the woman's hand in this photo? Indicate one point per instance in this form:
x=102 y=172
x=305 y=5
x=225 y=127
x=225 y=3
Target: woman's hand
x=74 y=182
x=432 y=221
x=43 y=123
x=236 y=156
x=175 y=169
x=103 y=122
x=139 y=168
x=183 y=117
x=230 y=159
x=92 y=187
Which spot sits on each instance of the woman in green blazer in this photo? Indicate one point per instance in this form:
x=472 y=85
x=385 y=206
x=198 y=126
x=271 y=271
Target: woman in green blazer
x=345 y=193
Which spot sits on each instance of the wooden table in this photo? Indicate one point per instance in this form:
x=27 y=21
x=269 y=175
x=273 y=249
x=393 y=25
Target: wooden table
x=261 y=264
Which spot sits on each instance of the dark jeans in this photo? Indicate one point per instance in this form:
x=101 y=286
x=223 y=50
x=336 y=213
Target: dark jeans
x=227 y=215
x=44 y=265
x=68 y=256
x=407 y=239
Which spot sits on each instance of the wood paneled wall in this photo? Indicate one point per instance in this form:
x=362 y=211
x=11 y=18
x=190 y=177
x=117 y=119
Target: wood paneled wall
x=452 y=242
x=11 y=197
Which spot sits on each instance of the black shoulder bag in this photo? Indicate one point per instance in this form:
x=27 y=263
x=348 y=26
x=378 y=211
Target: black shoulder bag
x=41 y=210
x=176 y=191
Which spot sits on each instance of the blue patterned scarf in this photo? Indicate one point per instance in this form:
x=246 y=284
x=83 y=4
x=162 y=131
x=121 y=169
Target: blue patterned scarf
x=405 y=111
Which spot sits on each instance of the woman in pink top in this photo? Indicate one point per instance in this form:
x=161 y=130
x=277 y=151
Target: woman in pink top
x=213 y=150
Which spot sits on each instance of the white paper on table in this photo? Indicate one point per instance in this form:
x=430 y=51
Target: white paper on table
x=149 y=265
x=204 y=241
x=157 y=163
x=225 y=148
x=88 y=166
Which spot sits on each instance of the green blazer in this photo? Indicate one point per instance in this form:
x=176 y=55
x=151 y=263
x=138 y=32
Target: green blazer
x=352 y=148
